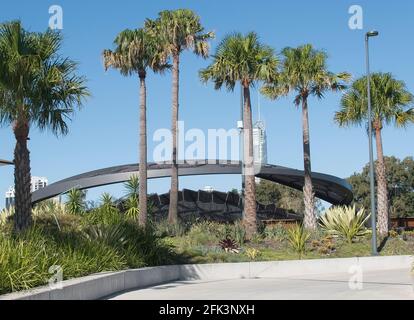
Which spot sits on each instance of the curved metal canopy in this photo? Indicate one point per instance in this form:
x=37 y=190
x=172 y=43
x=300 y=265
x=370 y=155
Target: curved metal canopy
x=329 y=188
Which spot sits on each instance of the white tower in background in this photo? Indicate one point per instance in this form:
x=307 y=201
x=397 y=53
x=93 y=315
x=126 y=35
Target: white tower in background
x=259 y=139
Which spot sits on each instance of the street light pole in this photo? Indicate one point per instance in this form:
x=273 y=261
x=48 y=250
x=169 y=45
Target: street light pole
x=371 y=153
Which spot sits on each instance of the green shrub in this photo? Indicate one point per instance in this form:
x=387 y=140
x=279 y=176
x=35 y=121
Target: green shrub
x=79 y=247
x=132 y=207
x=205 y=232
x=345 y=222
x=107 y=215
x=324 y=246
x=5 y=216
x=252 y=254
x=275 y=232
x=163 y=228
x=236 y=231
x=113 y=235
x=298 y=237
x=76 y=203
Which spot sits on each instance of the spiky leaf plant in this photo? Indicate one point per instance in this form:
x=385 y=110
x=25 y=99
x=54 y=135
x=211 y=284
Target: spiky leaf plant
x=75 y=203
x=345 y=222
x=229 y=245
x=298 y=236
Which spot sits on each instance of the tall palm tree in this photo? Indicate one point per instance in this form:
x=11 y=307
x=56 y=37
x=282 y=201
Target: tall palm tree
x=390 y=105
x=305 y=72
x=38 y=88
x=178 y=30
x=136 y=52
x=243 y=59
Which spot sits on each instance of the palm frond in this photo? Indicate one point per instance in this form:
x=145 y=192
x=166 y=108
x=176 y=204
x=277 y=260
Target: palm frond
x=304 y=70
x=179 y=30
x=36 y=83
x=136 y=51
x=389 y=98
x=241 y=58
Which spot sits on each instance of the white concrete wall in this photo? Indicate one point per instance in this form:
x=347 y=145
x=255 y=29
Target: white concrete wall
x=106 y=284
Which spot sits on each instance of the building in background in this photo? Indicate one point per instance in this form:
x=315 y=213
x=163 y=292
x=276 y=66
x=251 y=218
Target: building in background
x=10 y=198
x=208 y=189
x=35 y=184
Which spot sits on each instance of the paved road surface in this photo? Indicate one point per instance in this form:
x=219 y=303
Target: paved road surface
x=390 y=284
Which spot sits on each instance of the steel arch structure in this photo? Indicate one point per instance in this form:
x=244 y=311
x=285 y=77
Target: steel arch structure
x=327 y=187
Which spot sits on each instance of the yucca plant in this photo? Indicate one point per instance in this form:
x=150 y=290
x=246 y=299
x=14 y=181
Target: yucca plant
x=298 y=236
x=132 y=207
x=132 y=186
x=345 y=222
x=75 y=203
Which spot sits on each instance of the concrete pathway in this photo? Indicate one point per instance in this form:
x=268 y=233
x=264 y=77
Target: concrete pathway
x=390 y=284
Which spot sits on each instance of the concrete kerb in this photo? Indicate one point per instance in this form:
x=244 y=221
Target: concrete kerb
x=106 y=284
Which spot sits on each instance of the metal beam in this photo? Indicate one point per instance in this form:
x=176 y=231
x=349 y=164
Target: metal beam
x=327 y=187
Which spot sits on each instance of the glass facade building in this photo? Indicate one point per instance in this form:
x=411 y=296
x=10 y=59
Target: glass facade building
x=36 y=184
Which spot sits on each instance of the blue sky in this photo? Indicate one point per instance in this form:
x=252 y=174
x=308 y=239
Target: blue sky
x=105 y=132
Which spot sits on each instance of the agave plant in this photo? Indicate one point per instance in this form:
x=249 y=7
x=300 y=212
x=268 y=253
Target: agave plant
x=345 y=222
x=108 y=234
x=298 y=236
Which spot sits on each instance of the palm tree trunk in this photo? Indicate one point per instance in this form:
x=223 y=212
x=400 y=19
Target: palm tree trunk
x=308 y=194
x=382 y=191
x=22 y=178
x=172 y=214
x=250 y=194
x=143 y=152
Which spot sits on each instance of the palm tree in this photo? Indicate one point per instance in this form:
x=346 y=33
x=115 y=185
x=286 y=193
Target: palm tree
x=305 y=72
x=243 y=59
x=178 y=30
x=136 y=52
x=37 y=88
x=390 y=105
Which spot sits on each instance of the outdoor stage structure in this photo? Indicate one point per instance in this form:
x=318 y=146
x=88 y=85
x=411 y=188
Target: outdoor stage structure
x=327 y=187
